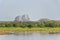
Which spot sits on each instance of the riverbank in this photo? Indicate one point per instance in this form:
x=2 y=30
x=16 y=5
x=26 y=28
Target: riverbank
x=18 y=30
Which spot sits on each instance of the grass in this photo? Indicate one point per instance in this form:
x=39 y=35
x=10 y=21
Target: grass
x=18 y=28
x=6 y=30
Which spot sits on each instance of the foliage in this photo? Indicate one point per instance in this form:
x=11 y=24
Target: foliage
x=31 y=24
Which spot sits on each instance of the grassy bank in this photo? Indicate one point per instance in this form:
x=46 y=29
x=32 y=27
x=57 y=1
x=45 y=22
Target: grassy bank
x=9 y=30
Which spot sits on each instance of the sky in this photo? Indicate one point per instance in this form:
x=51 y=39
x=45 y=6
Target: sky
x=36 y=9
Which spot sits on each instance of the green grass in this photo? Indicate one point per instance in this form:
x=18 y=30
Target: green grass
x=41 y=30
x=18 y=28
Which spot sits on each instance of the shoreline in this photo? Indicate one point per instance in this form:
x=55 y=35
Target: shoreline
x=34 y=30
x=4 y=31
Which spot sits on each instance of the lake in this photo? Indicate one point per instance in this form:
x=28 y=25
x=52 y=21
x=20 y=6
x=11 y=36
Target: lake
x=32 y=36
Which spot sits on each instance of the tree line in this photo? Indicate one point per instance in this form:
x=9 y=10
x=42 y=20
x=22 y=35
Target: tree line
x=31 y=24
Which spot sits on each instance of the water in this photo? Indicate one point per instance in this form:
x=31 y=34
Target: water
x=34 y=36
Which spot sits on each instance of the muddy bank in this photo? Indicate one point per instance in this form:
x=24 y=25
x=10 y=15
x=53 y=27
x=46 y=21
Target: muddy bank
x=3 y=32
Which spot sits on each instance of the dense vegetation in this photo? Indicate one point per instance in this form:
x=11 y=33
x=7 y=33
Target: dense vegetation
x=31 y=24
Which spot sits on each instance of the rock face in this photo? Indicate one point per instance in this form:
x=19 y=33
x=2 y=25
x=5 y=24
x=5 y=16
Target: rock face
x=18 y=18
x=44 y=19
x=23 y=18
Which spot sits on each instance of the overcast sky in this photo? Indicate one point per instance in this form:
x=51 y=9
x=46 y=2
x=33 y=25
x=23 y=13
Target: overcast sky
x=36 y=9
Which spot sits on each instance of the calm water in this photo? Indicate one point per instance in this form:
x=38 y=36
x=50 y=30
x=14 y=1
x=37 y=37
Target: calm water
x=34 y=36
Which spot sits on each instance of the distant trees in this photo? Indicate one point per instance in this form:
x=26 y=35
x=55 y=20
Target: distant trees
x=31 y=24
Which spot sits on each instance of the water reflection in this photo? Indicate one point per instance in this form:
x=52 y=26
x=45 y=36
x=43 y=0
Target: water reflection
x=33 y=36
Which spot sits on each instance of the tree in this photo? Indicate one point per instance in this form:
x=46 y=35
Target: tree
x=29 y=26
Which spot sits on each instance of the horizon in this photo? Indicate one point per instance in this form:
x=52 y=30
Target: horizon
x=36 y=9
x=30 y=19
